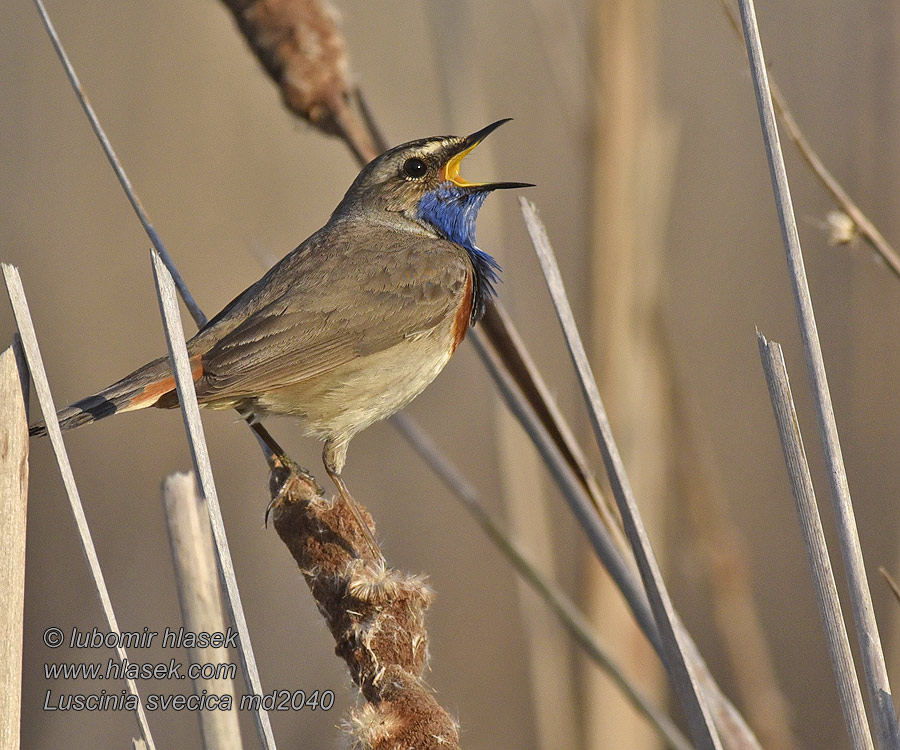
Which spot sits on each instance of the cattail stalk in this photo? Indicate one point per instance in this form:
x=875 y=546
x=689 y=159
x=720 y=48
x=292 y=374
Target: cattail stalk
x=375 y=614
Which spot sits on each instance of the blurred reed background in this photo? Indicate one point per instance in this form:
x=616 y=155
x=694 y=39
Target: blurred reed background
x=637 y=121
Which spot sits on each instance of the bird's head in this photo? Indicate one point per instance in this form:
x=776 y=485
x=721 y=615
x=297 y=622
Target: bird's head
x=418 y=186
x=420 y=181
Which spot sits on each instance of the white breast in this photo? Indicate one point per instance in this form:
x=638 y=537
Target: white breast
x=340 y=403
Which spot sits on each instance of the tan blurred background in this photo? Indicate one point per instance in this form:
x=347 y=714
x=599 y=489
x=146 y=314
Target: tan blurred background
x=232 y=182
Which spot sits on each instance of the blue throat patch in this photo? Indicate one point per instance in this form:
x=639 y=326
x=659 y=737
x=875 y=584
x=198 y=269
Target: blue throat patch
x=452 y=212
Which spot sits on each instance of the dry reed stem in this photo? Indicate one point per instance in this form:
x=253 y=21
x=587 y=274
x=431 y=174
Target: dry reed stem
x=200 y=599
x=814 y=539
x=632 y=147
x=877 y=683
x=190 y=411
x=723 y=546
x=27 y=332
x=14 y=386
x=675 y=652
x=376 y=616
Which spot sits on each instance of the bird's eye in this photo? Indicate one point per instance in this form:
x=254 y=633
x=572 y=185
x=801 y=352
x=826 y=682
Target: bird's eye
x=415 y=168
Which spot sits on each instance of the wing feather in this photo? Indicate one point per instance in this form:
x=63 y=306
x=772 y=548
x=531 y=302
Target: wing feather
x=328 y=303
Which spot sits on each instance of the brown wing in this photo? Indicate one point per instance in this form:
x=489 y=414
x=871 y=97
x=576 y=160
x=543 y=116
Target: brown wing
x=326 y=304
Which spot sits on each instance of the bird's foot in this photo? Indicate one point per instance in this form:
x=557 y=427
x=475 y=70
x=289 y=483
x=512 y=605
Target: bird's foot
x=284 y=464
x=289 y=478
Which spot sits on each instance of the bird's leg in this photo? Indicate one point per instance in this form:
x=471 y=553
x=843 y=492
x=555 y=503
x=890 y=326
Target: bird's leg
x=333 y=457
x=354 y=508
x=275 y=453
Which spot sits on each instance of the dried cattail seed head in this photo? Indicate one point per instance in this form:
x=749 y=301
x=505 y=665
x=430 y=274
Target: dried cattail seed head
x=299 y=44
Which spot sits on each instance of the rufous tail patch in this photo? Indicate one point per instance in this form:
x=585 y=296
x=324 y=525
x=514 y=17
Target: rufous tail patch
x=155 y=391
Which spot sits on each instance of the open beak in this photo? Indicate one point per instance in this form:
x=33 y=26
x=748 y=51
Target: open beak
x=450 y=170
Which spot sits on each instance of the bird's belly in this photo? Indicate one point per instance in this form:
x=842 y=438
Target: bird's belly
x=348 y=399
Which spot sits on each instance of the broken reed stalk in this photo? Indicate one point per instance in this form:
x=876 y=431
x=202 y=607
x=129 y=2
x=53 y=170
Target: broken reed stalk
x=879 y=689
x=675 y=652
x=375 y=614
x=862 y=224
x=200 y=599
x=814 y=538
x=547 y=589
x=719 y=540
x=187 y=400
x=45 y=399
x=14 y=388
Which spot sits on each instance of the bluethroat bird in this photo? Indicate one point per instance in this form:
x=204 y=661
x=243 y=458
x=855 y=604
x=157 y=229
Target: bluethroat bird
x=353 y=324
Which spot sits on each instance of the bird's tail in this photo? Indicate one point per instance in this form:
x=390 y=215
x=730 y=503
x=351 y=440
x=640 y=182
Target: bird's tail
x=151 y=385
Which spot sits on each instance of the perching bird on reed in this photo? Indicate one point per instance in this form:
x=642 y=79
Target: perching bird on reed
x=353 y=324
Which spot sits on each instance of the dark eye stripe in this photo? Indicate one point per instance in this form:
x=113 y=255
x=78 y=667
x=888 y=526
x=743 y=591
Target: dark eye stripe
x=415 y=168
